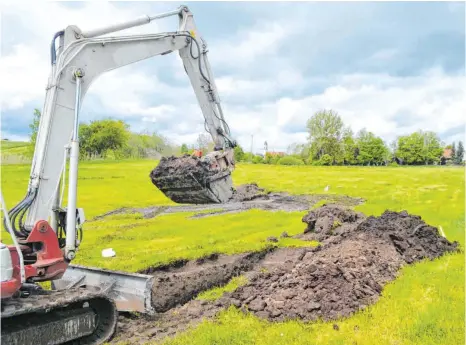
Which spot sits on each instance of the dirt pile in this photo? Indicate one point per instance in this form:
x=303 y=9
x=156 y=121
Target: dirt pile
x=329 y=220
x=181 y=166
x=356 y=257
x=347 y=271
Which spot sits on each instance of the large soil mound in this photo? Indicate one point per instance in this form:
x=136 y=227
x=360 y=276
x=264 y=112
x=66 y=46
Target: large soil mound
x=356 y=257
x=347 y=272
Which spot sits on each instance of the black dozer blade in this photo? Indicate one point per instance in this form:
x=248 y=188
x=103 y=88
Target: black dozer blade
x=192 y=180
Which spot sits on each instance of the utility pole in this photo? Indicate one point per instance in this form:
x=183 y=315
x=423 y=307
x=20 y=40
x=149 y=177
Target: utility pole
x=252 y=141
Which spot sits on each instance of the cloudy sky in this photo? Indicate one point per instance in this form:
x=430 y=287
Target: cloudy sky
x=392 y=68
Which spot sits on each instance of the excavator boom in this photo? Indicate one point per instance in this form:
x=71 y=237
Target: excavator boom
x=83 y=303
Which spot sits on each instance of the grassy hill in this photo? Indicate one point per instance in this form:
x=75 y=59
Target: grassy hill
x=14 y=152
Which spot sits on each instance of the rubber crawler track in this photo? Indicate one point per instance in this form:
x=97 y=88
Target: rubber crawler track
x=17 y=311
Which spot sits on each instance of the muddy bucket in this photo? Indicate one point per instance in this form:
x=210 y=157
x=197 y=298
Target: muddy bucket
x=189 y=180
x=190 y=190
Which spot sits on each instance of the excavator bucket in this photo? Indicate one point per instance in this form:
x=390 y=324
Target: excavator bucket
x=195 y=180
x=130 y=291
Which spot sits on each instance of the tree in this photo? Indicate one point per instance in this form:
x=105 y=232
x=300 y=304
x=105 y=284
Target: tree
x=238 y=153
x=350 y=149
x=100 y=136
x=184 y=148
x=459 y=153
x=419 y=148
x=453 y=151
x=204 y=142
x=432 y=148
x=326 y=159
x=325 y=133
x=34 y=126
x=371 y=149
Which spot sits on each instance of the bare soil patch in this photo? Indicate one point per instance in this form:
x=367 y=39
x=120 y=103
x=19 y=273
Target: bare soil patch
x=245 y=197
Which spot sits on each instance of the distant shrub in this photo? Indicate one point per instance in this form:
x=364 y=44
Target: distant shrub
x=257 y=159
x=288 y=160
x=271 y=159
x=326 y=159
x=393 y=164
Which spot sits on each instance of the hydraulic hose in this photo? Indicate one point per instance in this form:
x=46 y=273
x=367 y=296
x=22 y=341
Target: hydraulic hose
x=53 y=51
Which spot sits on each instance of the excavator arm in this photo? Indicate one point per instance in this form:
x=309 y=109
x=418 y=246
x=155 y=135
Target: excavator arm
x=45 y=234
x=82 y=56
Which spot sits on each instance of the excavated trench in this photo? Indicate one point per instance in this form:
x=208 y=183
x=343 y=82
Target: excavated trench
x=356 y=257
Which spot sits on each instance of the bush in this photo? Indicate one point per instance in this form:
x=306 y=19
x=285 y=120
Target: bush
x=271 y=159
x=393 y=164
x=326 y=159
x=257 y=159
x=288 y=160
x=239 y=153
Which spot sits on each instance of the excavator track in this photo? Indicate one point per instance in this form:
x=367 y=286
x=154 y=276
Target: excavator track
x=73 y=316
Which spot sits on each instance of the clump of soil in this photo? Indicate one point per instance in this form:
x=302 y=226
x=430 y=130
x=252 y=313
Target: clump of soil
x=183 y=166
x=329 y=220
x=247 y=192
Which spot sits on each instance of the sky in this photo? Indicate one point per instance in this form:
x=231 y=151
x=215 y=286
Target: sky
x=390 y=67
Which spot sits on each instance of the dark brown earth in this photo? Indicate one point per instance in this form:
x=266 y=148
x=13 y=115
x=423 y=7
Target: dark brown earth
x=177 y=284
x=356 y=257
x=192 y=180
x=182 y=166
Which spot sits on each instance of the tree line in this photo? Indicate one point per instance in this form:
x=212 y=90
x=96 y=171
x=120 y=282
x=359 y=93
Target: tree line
x=113 y=139
x=330 y=142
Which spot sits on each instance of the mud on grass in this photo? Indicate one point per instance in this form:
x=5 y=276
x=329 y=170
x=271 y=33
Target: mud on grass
x=246 y=197
x=346 y=273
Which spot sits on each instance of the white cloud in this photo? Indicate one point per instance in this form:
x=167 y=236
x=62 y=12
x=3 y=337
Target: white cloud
x=274 y=107
x=433 y=101
x=25 y=70
x=250 y=45
x=22 y=78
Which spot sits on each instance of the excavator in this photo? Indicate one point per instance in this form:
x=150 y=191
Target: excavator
x=82 y=304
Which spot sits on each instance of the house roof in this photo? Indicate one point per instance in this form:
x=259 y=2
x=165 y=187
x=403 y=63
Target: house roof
x=447 y=153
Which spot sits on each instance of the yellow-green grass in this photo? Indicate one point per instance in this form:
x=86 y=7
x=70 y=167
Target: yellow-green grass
x=425 y=305
x=15 y=152
x=217 y=292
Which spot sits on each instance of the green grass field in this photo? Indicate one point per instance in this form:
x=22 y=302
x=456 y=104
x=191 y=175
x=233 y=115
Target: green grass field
x=424 y=306
x=15 y=152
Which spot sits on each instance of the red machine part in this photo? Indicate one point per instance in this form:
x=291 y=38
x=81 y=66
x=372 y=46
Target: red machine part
x=42 y=243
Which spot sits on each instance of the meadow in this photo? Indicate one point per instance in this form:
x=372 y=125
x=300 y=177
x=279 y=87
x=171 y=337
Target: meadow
x=425 y=305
